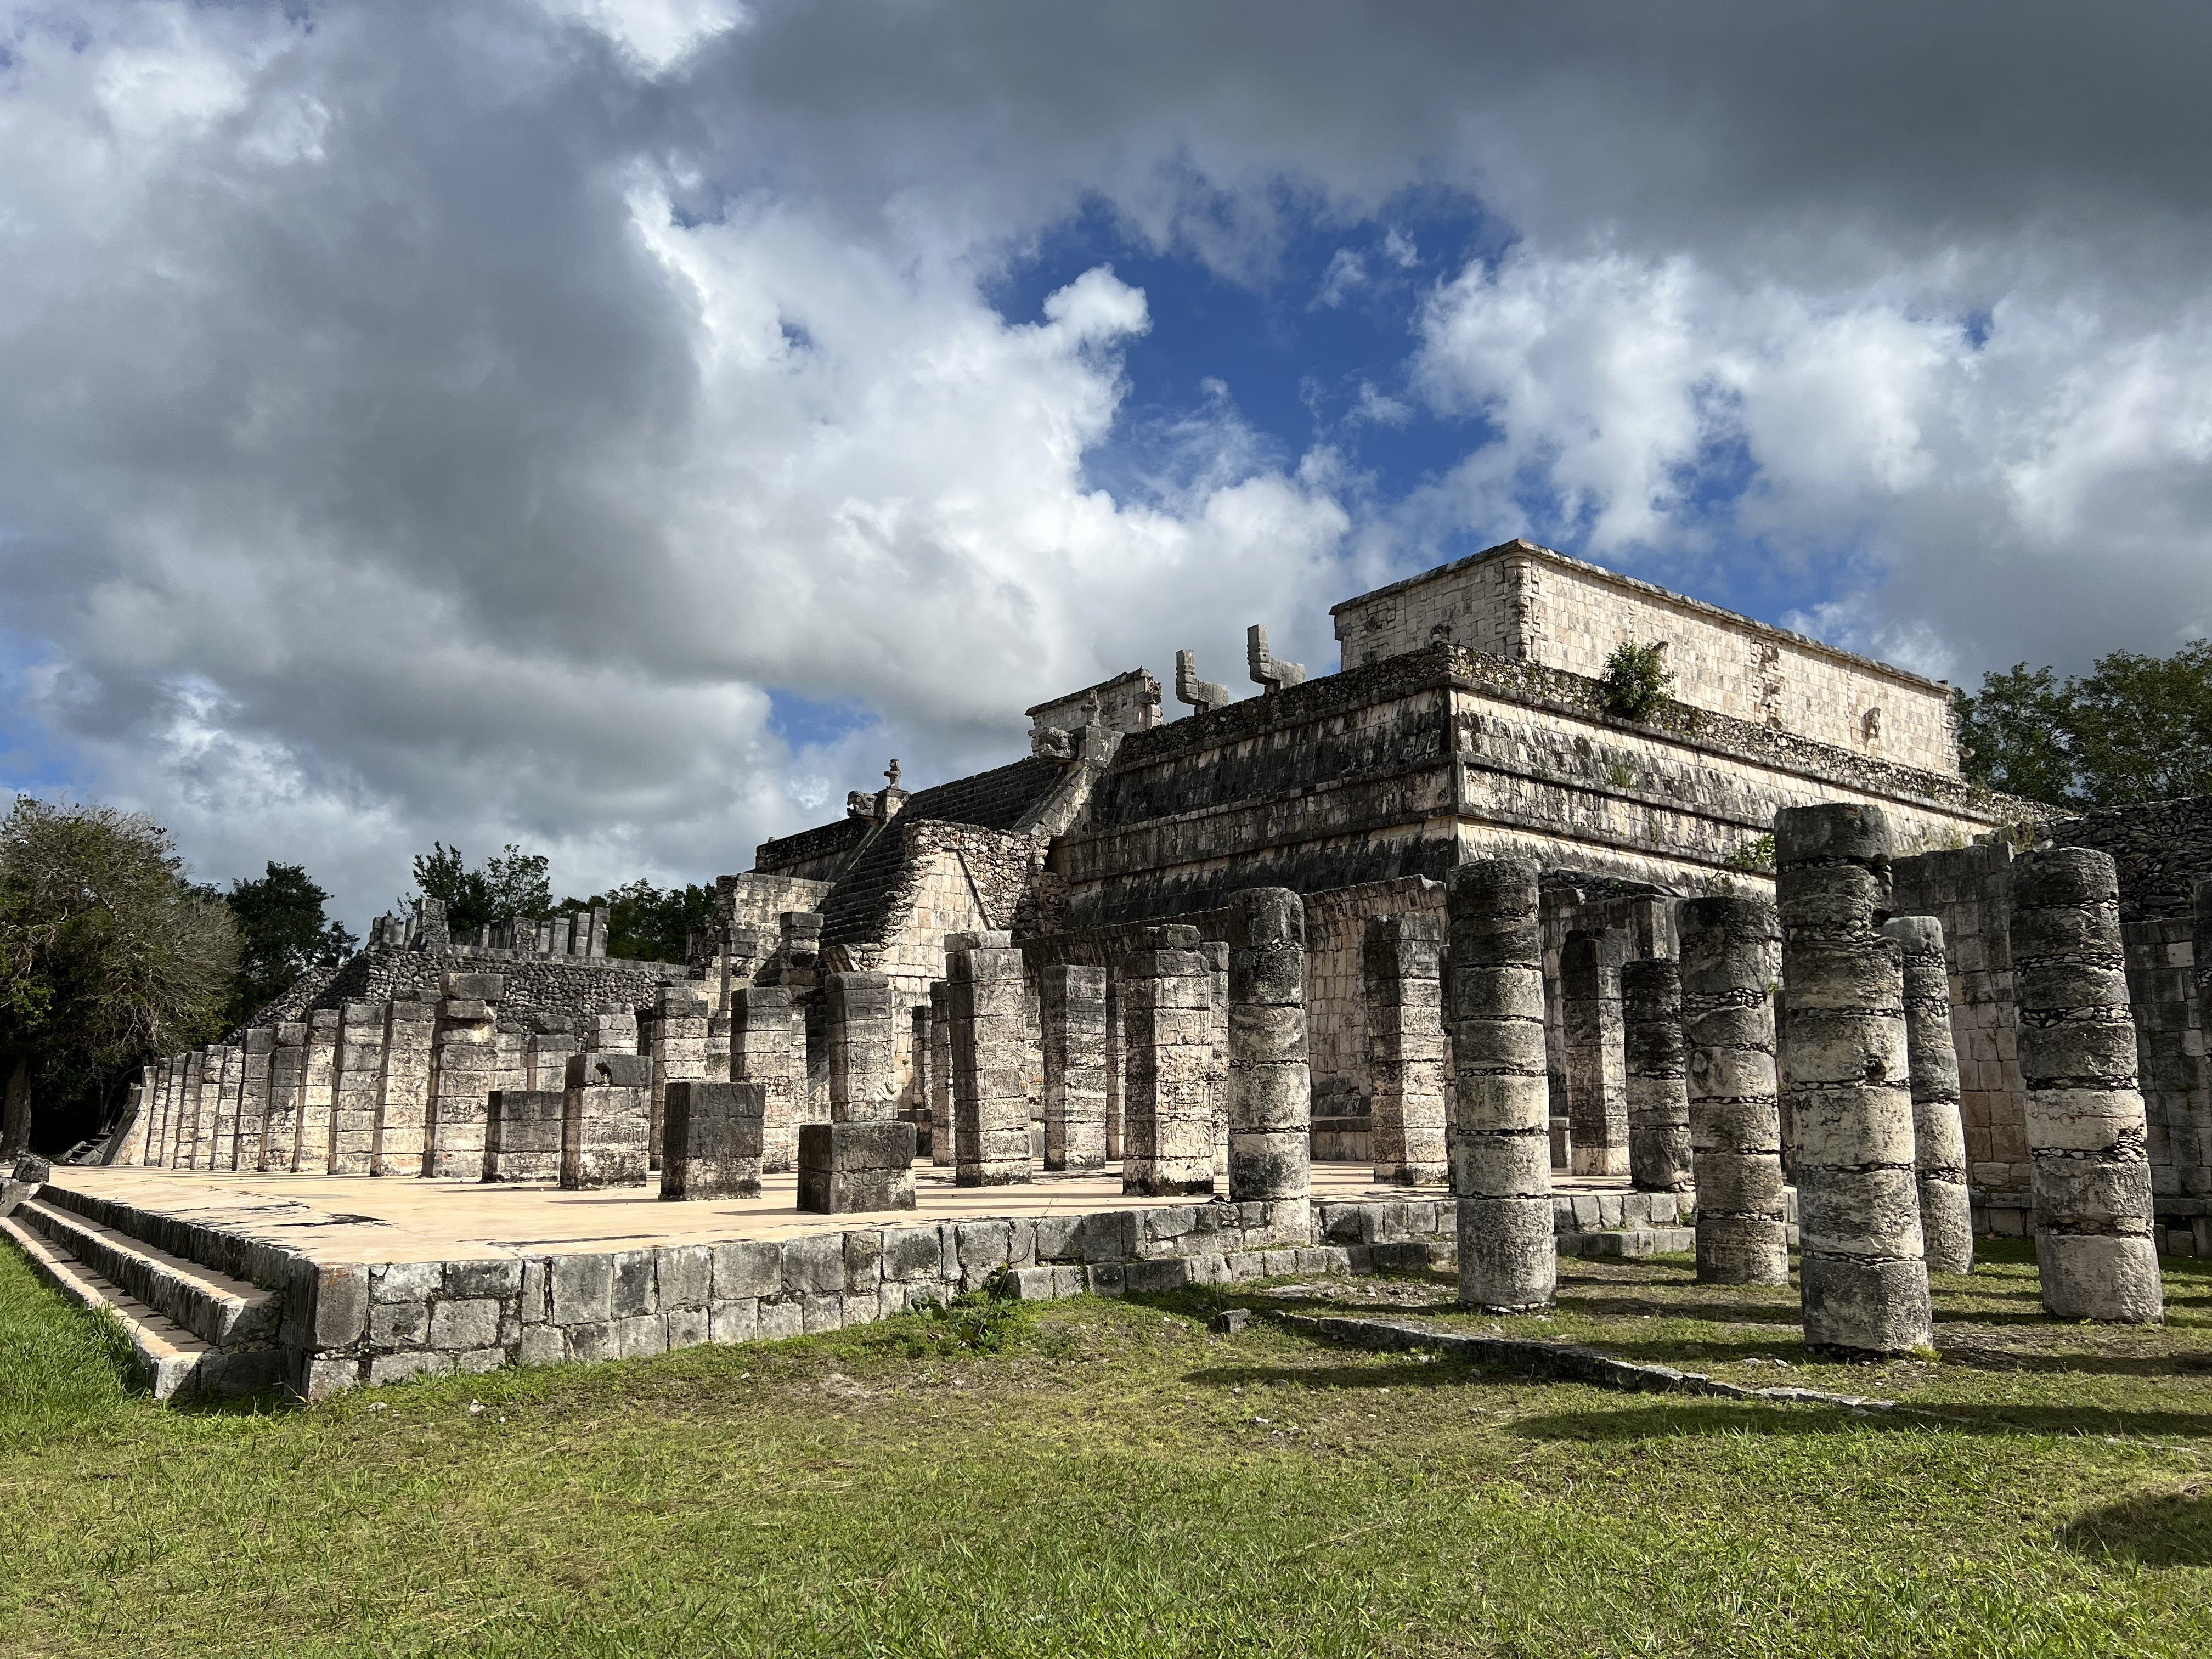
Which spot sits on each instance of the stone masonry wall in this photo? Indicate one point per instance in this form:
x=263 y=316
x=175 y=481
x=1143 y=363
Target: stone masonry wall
x=1528 y=604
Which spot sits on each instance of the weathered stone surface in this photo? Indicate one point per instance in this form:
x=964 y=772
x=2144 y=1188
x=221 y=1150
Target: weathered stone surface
x=1402 y=979
x=1270 y=1096
x=2087 y=1131
x=522 y=1134
x=1072 y=1006
x=1501 y=1167
x=1938 y=1134
x=1861 y=1259
x=711 y=1139
x=1655 y=1063
x=990 y=1097
x=847 y=1167
x=1597 y=1094
x=769 y=1047
x=1728 y=958
x=603 y=1127
x=863 y=1043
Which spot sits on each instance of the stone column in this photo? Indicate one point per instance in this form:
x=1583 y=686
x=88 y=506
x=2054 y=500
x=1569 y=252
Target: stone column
x=193 y=1063
x=1113 y=1068
x=1270 y=1085
x=718 y=1048
x=171 y=1098
x=157 y=1121
x=1217 y=1074
x=462 y=1055
x=259 y=1044
x=941 y=1130
x=508 y=1068
x=918 y=1018
x=1735 y=1114
x=1591 y=1038
x=679 y=1049
x=1861 y=1263
x=604 y=1124
x=1500 y=1148
x=403 y=1099
x=863 y=1049
x=522 y=1133
x=1074 y=1016
x=223 y=1150
x=2086 y=1130
x=1657 y=1071
x=1938 y=1137
x=359 y=1069
x=765 y=1048
x=1401 y=982
x=1167 y=1035
x=711 y=1139
x=545 y=1059
x=280 y=1128
x=990 y=1099
x=311 y=1145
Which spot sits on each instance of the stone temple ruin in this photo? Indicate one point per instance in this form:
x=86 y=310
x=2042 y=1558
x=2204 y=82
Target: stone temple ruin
x=1432 y=959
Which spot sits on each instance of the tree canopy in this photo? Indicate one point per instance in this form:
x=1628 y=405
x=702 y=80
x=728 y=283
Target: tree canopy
x=2135 y=728
x=107 y=955
x=509 y=885
x=283 y=931
x=647 y=923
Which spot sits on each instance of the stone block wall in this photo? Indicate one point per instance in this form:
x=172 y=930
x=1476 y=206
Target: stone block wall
x=1527 y=604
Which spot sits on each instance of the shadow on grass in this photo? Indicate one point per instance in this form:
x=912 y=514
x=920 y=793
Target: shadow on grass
x=2158 y=1530
x=1690 y=1416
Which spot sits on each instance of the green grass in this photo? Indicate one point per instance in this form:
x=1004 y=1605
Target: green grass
x=1112 y=1479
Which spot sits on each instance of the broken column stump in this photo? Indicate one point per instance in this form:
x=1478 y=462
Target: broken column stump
x=522 y=1134
x=1861 y=1263
x=1735 y=1111
x=710 y=1143
x=847 y=1167
x=1939 y=1136
x=1501 y=1161
x=1656 y=1068
x=1401 y=983
x=2087 y=1139
x=1270 y=1104
x=603 y=1127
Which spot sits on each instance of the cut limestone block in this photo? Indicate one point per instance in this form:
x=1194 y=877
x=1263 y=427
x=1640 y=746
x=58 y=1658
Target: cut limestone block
x=848 y=1167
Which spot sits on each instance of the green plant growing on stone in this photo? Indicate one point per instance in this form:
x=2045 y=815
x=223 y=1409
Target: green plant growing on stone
x=1636 y=680
x=979 y=1321
x=1621 y=775
x=1754 y=857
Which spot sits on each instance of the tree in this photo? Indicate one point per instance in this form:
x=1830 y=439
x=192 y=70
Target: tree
x=2137 y=728
x=107 y=955
x=282 y=933
x=1637 y=679
x=647 y=923
x=509 y=885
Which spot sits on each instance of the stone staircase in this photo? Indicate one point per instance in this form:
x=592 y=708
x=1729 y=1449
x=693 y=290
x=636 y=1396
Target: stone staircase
x=193 y=1329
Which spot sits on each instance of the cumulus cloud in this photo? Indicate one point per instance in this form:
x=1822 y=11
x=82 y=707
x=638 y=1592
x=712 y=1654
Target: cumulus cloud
x=524 y=419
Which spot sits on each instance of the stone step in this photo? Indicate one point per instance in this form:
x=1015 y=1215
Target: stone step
x=169 y=1359
x=222 y=1312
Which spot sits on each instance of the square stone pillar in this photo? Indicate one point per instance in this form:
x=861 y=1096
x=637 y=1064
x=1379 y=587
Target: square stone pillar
x=259 y=1044
x=610 y=1031
x=1216 y=1074
x=863 y=1049
x=222 y=1151
x=509 y=1070
x=1403 y=986
x=1113 y=1068
x=1270 y=1083
x=286 y=1074
x=157 y=1122
x=848 y=1167
x=1167 y=1028
x=462 y=1053
x=711 y=1139
x=942 y=1131
x=990 y=1094
x=718 y=1048
x=545 y=1059
x=604 y=1121
x=679 y=1049
x=767 y=1047
x=918 y=1114
x=190 y=1066
x=522 y=1134
x=311 y=1147
x=1593 y=1058
x=360 y=1070
x=1073 y=1007
x=403 y=1101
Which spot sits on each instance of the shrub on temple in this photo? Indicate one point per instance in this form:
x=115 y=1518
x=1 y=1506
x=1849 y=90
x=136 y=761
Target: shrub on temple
x=1636 y=679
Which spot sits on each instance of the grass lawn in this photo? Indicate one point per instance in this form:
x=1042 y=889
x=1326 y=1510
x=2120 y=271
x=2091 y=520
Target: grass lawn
x=1110 y=1478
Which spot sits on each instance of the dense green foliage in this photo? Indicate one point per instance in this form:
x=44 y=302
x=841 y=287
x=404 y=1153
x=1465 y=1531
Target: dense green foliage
x=107 y=955
x=647 y=923
x=1108 y=1479
x=509 y=885
x=2136 y=729
x=283 y=931
x=1637 y=679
